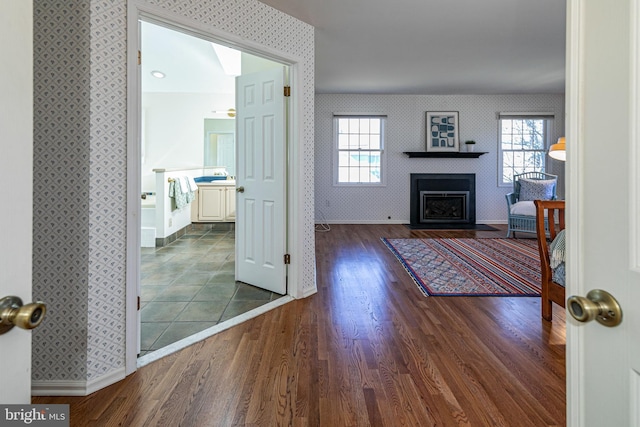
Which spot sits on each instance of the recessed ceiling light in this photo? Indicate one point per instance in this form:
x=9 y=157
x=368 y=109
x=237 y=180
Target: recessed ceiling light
x=158 y=74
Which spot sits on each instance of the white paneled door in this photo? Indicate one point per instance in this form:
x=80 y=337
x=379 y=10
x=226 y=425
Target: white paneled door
x=16 y=140
x=603 y=140
x=261 y=191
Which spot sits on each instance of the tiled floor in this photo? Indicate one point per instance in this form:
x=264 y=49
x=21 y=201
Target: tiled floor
x=188 y=286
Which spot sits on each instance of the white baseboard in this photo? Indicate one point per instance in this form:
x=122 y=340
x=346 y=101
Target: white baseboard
x=398 y=221
x=76 y=388
x=359 y=221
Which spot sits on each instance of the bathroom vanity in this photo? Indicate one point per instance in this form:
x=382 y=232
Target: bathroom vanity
x=215 y=202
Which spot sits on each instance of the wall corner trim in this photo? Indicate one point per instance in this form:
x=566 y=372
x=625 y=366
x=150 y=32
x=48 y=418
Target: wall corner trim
x=75 y=388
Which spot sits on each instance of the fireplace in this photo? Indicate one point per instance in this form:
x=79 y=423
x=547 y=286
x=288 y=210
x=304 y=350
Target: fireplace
x=443 y=200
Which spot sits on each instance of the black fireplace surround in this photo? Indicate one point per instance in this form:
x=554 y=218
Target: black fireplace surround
x=443 y=200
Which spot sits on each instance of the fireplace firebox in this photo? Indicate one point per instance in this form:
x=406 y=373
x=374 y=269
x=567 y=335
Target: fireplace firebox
x=442 y=200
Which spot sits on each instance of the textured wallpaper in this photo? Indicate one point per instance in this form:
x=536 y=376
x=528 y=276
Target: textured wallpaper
x=79 y=256
x=405 y=131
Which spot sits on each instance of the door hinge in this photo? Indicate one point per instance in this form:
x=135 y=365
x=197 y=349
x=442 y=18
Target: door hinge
x=139 y=58
x=138 y=303
x=287 y=91
x=287 y=259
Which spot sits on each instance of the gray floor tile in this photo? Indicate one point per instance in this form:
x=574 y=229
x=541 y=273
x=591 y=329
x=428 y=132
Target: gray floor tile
x=236 y=308
x=189 y=285
x=162 y=311
x=222 y=277
x=178 y=293
x=148 y=293
x=202 y=311
x=219 y=292
x=179 y=330
x=194 y=278
x=150 y=332
x=248 y=292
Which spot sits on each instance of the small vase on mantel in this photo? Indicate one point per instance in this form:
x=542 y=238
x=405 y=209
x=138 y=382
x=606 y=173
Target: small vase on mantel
x=471 y=145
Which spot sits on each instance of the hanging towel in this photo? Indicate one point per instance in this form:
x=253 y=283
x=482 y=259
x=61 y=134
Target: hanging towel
x=180 y=198
x=192 y=184
x=184 y=184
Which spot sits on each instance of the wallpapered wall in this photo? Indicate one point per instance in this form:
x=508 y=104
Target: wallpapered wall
x=80 y=169
x=405 y=131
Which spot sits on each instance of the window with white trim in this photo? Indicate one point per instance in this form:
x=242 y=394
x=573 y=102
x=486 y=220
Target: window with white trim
x=523 y=142
x=359 y=149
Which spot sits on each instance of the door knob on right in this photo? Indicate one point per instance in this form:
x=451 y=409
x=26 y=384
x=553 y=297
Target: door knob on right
x=13 y=313
x=598 y=305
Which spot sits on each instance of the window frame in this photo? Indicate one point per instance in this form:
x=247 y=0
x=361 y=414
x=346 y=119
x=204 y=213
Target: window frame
x=337 y=150
x=548 y=124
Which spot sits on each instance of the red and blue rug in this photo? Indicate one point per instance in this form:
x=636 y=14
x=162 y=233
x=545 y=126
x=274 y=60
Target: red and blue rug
x=471 y=267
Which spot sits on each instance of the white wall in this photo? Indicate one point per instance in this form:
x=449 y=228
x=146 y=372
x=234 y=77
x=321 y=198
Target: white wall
x=174 y=130
x=405 y=131
x=80 y=170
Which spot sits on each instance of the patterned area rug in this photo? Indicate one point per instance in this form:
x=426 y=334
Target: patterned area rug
x=471 y=267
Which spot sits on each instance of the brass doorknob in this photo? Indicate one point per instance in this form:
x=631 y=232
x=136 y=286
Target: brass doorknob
x=599 y=305
x=240 y=189
x=13 y=313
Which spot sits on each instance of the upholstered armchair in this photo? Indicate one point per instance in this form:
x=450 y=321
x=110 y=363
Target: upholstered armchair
x=527 y=187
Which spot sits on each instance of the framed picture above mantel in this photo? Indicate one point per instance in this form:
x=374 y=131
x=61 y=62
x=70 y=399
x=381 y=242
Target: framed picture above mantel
x=441 y=130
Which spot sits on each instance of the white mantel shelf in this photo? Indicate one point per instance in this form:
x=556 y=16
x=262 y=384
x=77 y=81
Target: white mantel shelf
x=445 y=154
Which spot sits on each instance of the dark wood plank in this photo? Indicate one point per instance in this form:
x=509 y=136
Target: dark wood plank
x=367 y=349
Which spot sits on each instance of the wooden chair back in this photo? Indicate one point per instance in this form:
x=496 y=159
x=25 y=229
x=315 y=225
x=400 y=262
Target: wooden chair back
x=546 y=231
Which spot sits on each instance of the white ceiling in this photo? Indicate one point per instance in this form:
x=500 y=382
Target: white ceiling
x=435 y=46
x=189 y=63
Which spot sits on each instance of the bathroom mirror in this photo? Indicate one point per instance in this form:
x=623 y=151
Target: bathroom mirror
x=219 y=144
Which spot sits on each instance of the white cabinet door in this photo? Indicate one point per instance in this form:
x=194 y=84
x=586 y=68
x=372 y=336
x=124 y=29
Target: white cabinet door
x=211 y=203
x=230 y=204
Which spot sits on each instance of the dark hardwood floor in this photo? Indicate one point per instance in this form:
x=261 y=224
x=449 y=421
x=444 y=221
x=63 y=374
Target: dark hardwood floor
x=367 y=349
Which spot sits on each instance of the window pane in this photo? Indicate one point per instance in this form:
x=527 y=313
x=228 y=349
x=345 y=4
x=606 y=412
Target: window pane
x=365 y=125
x=375 y=126
x=343 y=141
x=506 y=142
x=517 y=142
x=375 y=174
x=343 y=126
x=375 y=142
x=359 y=149
x=343 y=174
x=343 y=158
x=354 y=125
x=364 y=142
x=522 y=142
x=518 y=159
x=354 y=141
x=359 y=166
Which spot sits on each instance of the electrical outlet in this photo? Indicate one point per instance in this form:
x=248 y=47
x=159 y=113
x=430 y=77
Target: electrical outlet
x=170 y=222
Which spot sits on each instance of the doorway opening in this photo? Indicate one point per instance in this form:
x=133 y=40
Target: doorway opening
x=188 y=131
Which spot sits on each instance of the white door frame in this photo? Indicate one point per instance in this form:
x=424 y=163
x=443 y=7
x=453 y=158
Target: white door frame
x=16 y=136
x=138 y=9
x=574 y=335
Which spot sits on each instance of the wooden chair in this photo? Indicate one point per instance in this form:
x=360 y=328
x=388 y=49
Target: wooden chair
x=521 y=213
x=546 y=231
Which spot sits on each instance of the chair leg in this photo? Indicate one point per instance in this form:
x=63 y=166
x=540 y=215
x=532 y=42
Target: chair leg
x=547 y=308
